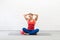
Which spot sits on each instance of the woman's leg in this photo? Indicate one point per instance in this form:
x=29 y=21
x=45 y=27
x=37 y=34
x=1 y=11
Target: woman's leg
x=25 y=30
x=34 y=32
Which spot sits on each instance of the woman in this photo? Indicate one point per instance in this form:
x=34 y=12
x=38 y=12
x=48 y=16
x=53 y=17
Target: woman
x=31 y=24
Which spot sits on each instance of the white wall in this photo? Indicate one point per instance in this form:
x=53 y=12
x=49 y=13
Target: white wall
x=12 y=11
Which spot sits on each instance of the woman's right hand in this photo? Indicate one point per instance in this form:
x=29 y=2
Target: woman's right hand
x=26 y=16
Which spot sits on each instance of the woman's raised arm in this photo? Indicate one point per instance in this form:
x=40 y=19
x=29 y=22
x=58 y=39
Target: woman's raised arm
x=36 y=17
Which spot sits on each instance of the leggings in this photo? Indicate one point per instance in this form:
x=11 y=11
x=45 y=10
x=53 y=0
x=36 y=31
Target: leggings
x=31 y=32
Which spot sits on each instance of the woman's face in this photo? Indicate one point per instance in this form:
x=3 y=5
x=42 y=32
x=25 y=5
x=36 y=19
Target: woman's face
x=31 y=16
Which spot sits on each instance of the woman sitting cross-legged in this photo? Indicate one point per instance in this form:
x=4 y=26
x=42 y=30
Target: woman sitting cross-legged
x=31 y=24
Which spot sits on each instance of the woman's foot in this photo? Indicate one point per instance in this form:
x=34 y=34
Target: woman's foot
x=22 y=32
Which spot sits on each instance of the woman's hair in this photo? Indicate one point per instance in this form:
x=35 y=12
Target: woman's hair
x=30 y=14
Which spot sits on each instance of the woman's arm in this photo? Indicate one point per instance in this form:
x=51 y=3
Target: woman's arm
x=36 y=17
x=25 y=16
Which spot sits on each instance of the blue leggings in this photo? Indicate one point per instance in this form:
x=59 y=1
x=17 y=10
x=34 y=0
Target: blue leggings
x=31 y=32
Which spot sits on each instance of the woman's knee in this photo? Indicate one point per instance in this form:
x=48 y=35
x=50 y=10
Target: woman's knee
x=37 y=30
x=24 y=29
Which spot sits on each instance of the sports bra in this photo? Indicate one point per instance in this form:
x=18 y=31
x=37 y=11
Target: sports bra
x=31 y=24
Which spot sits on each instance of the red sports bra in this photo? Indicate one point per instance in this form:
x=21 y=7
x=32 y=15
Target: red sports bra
x=31 y=24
